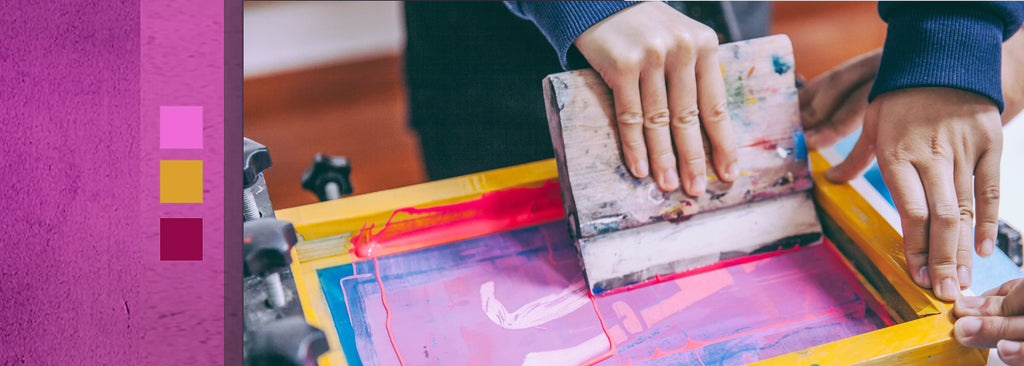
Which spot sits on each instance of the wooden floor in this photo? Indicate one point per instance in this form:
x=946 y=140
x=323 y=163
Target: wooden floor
x=359 y=110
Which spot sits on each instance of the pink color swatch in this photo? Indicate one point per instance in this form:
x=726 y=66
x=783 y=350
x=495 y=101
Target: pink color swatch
x=181 y=127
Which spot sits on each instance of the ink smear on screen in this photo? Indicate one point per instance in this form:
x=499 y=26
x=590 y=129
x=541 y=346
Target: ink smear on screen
x=518 y=297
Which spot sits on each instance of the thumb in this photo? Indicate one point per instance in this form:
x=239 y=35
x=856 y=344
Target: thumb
x=863 y=152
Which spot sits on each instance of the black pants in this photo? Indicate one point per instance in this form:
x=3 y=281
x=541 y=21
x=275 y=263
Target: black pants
x=474 y=71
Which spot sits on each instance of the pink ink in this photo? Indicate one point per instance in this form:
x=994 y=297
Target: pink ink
x=629 y=319
x=690 y=292
x=875 y=304
x=782 y=304
x=493 y=212
x=766 y=144
x=612 y=350
x=658 y=278
x=387 y=313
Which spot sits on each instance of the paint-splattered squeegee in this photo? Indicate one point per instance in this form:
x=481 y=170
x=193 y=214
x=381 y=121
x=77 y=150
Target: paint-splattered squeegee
x=630 y=233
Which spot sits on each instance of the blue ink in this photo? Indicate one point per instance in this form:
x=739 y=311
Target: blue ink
x=801 y=145
x=781 y=67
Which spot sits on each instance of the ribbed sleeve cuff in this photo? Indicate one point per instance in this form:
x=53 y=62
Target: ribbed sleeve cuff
x=942 y=47
x=563 y=21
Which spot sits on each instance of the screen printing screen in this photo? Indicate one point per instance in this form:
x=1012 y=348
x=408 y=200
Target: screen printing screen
x=519 y=298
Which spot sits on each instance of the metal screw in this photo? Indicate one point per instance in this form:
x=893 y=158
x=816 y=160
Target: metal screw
x=275 y=291
x=255 y=159
x=249 y=209
x=332 y=191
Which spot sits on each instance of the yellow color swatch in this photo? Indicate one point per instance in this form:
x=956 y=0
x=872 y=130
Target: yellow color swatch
x=181 y=181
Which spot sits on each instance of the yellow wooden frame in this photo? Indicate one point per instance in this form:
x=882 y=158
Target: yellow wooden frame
x=871 y=244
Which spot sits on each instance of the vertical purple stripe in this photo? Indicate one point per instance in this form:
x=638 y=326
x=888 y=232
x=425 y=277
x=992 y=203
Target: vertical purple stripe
x=182 y=54
x=232 y=207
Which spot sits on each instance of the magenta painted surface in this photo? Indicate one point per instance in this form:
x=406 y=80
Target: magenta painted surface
x=81 y=280
x=73 y=258
x=181 y=127
x=440 y=298
x=182 y=308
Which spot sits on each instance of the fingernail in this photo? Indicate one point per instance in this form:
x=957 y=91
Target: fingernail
x=964 y=275
x=947 y=289
x=987 y=247
x=699 y=184
x=733 y=171
x=640 y=169
x=1007 y=348
x=967 y=327
x=924 y=278
x=969 y=302
x=670 y=180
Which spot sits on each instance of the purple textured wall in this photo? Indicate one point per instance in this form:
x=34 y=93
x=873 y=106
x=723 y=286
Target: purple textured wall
x=69 y=175
x=81 y=281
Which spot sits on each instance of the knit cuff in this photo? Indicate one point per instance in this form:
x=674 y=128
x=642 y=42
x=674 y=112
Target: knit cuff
x=942 y=47
x=562 y=22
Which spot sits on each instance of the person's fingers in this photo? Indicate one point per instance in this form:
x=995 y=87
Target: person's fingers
x=806 y=94
x=629 y=118
x=714 y=114
x=1011 y=352
x=863 y=152
x=847 y=119
x=986 y=191
x=943 y=226
x=963 y=179
x=1004 y=289
x=685 y=123
x=908 y=194
x=1012 y=304
x=656 y=130
x=985 y=331
x=978 y=306
x=836 y=85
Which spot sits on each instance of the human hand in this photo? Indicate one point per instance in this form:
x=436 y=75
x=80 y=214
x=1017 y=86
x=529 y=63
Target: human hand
x=832 y=105
x=995 y=319
x=666 y=83
x=938 y=150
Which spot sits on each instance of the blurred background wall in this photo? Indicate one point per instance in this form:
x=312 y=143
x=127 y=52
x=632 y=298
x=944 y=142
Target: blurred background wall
x=327 y=77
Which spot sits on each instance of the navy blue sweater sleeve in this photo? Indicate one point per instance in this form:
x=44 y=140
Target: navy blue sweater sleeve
x=562 y=21
x=949 y=44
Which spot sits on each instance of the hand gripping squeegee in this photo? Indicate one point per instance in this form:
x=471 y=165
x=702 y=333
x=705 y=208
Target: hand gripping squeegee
x=630 y=233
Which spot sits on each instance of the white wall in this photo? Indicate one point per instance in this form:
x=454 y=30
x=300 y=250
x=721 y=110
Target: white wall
x=282 y=36
x=1011 y=174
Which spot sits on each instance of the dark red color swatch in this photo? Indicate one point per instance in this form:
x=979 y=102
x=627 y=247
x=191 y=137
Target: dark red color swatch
x=181 y=239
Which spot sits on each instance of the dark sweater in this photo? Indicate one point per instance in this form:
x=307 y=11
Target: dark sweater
x=949 y=44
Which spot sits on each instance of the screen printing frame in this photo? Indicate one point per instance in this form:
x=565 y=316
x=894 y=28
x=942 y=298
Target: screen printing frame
x=862 y=233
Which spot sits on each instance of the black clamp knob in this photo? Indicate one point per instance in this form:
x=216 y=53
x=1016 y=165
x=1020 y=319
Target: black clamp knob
x=327 y=177
x=1010 y=242
x=267 y=247
x=267 y=250
x=256 y=160
x=287 y=342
